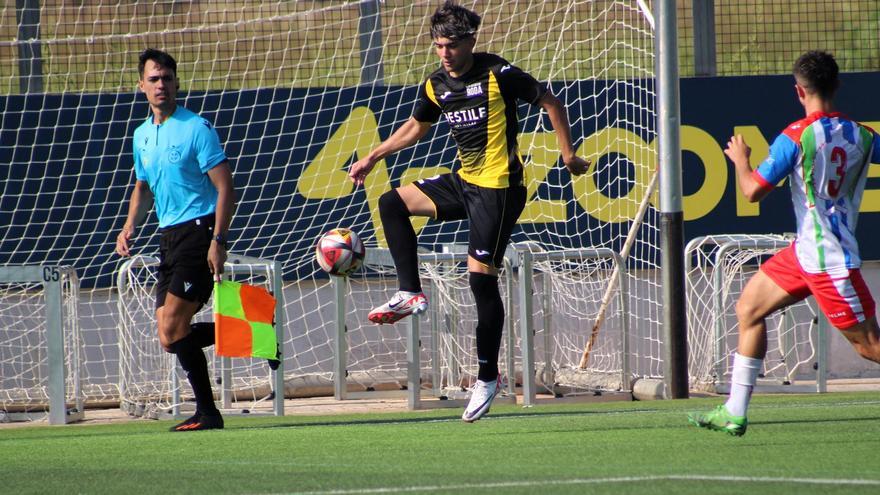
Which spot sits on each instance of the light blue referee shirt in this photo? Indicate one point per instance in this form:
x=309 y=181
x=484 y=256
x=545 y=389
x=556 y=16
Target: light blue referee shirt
x=174 y=158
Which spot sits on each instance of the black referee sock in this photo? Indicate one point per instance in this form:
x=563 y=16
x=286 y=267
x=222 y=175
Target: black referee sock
x=203 y=333
x=490 y=322
x=401 y=240
x=193 y=361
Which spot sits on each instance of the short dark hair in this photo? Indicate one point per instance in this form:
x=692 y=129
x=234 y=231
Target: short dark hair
x=454 y=22
x=158 y=57
x=817 y=71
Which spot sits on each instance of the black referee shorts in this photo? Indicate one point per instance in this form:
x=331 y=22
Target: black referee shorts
x=492 y=213
x=183 y=261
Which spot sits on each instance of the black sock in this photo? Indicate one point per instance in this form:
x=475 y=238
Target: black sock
x=401 y=240
x=490 y=322
x=193 y=361
x=203 y=334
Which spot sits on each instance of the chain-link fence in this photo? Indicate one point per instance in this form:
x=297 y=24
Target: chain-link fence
x=61 y=46
x=757 y=37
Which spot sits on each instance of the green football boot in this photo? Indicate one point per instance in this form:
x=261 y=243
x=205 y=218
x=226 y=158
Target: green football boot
x=719 y=419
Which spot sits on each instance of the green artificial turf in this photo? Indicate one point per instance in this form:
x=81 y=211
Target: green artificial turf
x=822 y=444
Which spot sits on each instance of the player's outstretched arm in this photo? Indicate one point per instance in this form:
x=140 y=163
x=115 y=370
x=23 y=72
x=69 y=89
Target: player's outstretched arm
x=559 y=120
x=138 y=207
x=406 y=135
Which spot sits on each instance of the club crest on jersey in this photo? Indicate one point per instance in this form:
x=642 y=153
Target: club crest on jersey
x=475 y=89
x=174 y=155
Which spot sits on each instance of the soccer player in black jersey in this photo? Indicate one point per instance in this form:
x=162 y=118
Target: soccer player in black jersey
x=477 y=93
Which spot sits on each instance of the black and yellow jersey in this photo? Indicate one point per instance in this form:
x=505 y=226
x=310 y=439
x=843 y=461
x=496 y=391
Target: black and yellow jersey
x=480 y=107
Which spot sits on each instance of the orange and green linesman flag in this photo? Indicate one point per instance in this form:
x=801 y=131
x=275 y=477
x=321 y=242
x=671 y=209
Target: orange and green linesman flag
x=243 y=317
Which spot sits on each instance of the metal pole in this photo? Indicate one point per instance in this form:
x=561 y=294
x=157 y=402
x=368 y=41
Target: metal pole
x=55 y=343
x=704 y=38
x=370 y=36
x=413 y=364
x=340 y=386
x=822 y=327
x=278 y=374
x=527 y=330
x=30 y=57
x=511 y=328
x=671 y=215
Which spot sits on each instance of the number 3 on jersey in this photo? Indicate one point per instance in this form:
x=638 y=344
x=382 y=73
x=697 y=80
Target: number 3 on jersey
x=838 y=157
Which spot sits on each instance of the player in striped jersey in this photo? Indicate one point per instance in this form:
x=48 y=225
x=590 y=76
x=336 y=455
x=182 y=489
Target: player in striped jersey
x=477 y=93
x=825 y=157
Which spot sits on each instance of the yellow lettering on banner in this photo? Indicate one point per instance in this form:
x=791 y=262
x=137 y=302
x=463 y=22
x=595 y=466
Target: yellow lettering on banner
x=871 y=197
x=760 y=150
x=411 y=175
x=326 y=178
x=707 y=197
x=543 y=155
x=643 y=158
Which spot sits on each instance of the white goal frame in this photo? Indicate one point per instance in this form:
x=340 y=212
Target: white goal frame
x=720 y=247
x=60 y=325
x=235 y=265
x=526 y=265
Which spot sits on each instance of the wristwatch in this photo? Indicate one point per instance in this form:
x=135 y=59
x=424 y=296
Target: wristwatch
x=221 y=240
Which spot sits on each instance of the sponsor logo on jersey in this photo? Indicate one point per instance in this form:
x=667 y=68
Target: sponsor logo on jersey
x=475 y=89
x=466 y=118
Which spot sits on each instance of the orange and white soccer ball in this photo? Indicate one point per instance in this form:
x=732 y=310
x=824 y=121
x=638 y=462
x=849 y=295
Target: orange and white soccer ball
x=340 y=252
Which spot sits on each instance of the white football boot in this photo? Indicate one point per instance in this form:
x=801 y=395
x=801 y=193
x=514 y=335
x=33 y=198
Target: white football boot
x=402 y=304
x=482 y=395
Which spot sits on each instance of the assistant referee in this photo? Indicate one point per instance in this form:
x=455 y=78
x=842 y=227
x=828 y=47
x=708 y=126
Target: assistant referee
x=182 y=169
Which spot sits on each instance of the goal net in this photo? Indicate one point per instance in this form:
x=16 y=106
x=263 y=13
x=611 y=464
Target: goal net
x=297 y=91
x=151 y=381
x=40 y=344
x=717 y=270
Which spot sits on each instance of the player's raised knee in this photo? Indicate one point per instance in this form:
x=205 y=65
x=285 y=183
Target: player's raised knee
x=391 y=202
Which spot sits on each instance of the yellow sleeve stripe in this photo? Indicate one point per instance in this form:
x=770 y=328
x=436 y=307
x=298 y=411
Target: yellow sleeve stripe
x=429 y=89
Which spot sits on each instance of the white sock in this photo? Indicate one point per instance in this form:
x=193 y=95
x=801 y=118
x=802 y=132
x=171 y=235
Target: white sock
x=745 y=374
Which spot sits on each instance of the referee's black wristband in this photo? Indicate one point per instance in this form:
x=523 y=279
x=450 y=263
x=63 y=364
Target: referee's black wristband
x=221 y=240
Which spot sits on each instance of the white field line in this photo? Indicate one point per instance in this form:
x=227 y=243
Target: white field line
x=596 y=481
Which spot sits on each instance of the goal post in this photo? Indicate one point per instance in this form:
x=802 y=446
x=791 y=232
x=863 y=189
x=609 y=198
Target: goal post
x=717 y=269
x=436 y=349
x=40 y=344
x=573 y=294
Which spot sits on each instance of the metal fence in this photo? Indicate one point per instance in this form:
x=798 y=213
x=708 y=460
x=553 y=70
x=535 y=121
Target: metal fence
x=758 y=37
x=91 y=45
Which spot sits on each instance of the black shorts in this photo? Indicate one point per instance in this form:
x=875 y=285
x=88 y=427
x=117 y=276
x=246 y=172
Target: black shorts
x=492 y=213
x=183 y=261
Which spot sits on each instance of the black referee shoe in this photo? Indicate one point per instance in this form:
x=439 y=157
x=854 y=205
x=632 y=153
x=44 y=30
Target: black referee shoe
x=200 y=421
